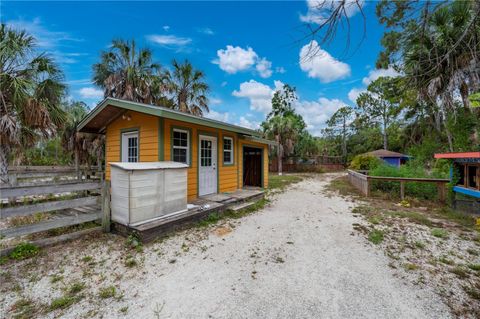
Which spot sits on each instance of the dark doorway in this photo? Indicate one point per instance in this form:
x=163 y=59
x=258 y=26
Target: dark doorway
x=252 y=166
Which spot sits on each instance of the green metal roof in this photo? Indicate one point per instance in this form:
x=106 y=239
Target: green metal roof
x=161 y=112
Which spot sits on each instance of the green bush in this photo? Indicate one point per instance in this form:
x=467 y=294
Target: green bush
x=365 y=162
x=413 y=170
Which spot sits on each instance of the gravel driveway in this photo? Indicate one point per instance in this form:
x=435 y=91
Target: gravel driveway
x=297 y=258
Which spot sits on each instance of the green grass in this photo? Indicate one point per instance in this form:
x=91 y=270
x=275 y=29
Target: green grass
x=342 y=186
x=445 y=260
x=24 y=251
x=475 y=267
x=23 y=308
x=62 y=302
x=56 y=278
x=458 y=217
x=76 y=287
x=107 y=292
x=410 y=266
x=276 y=181
x=414 y=217
x=439 y=233
x=460 y=271
x=419 y=244
x=375 y=236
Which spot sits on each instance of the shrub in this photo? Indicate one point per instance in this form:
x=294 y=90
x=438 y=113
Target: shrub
x=365 y=162
x=413 y=170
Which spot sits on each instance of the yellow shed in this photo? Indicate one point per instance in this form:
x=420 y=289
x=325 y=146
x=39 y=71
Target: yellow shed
x=221 y=157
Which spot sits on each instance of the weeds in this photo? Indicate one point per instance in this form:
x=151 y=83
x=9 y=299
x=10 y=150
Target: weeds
x=410 y=266
x=62 y=302
x=56 y=278
x=76 y=288
x=439 y=233
x=475 y=267
x=24 y=251
x=459 y=271
x=282 y=181
x=375 y=236
x=23 y=308
x=107 y=292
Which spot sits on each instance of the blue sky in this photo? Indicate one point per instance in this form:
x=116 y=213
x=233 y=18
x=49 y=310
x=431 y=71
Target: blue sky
x=246 y=49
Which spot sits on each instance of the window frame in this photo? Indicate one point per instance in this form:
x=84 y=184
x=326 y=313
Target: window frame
x=187 y=148
x=232 y=151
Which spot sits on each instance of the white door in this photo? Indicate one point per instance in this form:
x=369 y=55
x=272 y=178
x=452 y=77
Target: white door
x=130 y=147
x=207 y=163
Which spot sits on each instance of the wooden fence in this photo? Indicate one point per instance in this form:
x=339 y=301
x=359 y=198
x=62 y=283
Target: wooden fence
x=362 y=181
x=312 y=164
x=21 y=175
x=65 y=203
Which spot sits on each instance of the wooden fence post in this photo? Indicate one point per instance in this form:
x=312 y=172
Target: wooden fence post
x=367 y=193
x=402 y=190
x=441 y=192
x=106 y=206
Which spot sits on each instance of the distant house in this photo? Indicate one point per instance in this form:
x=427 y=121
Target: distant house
x=391 y=158
x=467 y=168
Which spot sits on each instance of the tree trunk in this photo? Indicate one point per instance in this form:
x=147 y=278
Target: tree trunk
x=4 y=153
x=385 y=139
x=280 y=158
x=77 y=164
x=344 y=144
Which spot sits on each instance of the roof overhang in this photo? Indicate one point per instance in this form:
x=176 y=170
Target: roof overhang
x=259 y=140
x=110 y=109
x=458 y=155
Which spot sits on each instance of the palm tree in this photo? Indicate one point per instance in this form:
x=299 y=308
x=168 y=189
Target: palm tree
x=84 y=146
x=125 y=73
x=30 y=95
x=187 y=86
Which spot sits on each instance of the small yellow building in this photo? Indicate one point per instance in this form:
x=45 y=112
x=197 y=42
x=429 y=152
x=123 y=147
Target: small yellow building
x=221 y=157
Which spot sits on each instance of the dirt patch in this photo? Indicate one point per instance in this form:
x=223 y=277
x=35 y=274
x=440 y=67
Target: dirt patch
x=222 y=231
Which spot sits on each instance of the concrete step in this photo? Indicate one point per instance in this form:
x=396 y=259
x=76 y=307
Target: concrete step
x=241 y=206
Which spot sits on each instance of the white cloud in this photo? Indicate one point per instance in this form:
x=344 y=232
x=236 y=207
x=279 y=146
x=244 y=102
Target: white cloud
x=280 y=69
x=90 y=93
x=259 y=94
x=248 y=123
x=45 y=38
x=169 y=41
x=316 y=113
x=354 y=93
x=372 y=76
x=206 y=31
x=214 y=100
x=166 y=27
x=236 y=59
x=318 y=63
x=219 y=116
x=319 y=10
x=264 y=68
x=375 y=74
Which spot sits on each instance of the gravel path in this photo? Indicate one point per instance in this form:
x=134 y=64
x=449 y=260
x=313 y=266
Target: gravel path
x=297 y=258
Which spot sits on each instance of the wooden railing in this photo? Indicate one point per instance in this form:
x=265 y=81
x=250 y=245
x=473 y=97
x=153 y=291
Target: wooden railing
x=361 y=181
x=66 y=203
x=22 y=175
